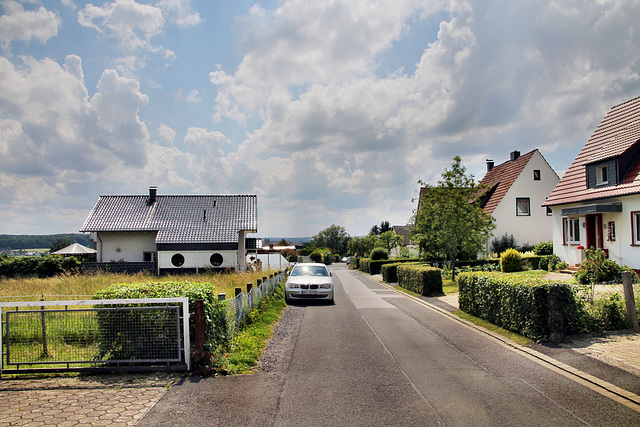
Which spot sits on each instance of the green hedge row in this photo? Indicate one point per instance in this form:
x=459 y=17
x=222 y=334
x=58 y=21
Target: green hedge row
x=390 y=271
x=125 y=344
x=420 y=278
x=540 y=310
x=375 y=267
x=45 y=266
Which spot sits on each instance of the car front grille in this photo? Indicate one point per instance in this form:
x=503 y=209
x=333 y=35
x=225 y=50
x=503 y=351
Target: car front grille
x=308 y=286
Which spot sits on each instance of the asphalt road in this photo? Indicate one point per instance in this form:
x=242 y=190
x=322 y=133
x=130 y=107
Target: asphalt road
x=377 y=357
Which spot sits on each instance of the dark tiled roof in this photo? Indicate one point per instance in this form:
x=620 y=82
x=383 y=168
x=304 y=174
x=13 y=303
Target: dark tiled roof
x=616 y=134
x=499 y=179
x=404 y=231
x=177 y=219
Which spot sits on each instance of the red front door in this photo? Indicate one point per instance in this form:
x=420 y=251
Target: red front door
x=594 y=231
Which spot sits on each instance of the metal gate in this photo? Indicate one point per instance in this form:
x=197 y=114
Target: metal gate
x=81 y=335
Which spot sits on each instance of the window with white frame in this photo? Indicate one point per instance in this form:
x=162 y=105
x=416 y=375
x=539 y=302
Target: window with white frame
x=602 y=175
x=571 y=231
x=523 y=206
x=635 y=225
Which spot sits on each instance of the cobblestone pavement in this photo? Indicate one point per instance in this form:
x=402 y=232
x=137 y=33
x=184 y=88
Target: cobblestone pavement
x=114 y=400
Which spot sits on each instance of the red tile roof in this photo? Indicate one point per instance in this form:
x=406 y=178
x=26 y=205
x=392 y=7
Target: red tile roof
x=501 y=177
x=617 y=133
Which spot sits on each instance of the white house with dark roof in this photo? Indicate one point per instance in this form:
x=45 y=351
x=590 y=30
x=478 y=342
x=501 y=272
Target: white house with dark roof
x=184 y=233
x=516 y=192
x=597 y=202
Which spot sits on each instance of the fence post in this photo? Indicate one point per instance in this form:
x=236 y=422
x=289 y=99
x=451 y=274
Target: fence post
x=222 y=297
x=239 y=308
x=632 y=314
x=250 y=296
x=43 y=321
x=199 y=323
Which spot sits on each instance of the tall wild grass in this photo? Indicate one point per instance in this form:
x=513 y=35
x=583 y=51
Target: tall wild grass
x=84 y=286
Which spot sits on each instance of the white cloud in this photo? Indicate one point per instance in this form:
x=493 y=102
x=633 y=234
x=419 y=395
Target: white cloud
x=18 y=24
x=194 y=96
x=180 y=12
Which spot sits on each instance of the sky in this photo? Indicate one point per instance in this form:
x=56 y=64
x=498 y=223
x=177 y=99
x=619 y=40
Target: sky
x=329 y=111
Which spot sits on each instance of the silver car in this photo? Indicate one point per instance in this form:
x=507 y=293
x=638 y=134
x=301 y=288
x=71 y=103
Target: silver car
x=309 y=281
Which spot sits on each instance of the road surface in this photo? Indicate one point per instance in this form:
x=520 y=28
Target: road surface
x=377 y=357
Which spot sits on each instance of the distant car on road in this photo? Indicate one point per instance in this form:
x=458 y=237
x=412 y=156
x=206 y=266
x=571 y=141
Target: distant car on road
x=309 y=281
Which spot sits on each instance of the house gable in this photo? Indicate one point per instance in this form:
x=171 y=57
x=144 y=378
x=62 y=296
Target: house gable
x=614 y=144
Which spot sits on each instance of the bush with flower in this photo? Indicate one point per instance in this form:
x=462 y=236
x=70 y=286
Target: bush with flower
x=596 y=268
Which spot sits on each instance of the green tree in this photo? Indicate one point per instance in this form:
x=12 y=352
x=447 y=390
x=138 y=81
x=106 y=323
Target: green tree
x=389 y=240
x=450 y=220
x=333 y=237
x=283 y=242
x=62 y=242
x=379 y=229
x=362 y=246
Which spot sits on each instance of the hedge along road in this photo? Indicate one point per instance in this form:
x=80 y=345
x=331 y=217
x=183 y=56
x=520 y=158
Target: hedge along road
x=377 y=357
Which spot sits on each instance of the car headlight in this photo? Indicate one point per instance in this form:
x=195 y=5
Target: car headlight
x=292 y=285
x=325 y=286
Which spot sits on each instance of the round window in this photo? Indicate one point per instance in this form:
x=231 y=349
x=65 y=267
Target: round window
x=177 y=260
x=216 y=260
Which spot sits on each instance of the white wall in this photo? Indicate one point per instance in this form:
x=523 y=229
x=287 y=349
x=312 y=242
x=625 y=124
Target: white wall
x=275 y=261
x=538 y=226
x=198 y=259
x=125 y=246
x=620 y=250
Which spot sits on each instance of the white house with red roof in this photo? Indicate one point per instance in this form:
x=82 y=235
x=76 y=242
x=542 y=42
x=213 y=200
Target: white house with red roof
x=516 y=192
x=597 y=202
x=174 y=233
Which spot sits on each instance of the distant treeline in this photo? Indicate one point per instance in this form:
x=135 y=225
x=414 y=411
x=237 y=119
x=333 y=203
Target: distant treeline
x=27 y=241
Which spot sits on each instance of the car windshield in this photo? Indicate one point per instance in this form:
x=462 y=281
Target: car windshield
x=309 y=270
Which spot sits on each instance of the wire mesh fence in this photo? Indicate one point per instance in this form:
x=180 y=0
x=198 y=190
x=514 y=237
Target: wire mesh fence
x=239 y=306
x=81 y=334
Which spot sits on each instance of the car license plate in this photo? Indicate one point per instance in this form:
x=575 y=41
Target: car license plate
x=308 y=292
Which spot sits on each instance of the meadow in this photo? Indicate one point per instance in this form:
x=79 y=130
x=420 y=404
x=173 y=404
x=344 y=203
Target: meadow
x=85 y=286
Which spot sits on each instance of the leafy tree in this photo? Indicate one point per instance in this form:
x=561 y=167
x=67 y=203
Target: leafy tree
x=362 y=246
x=377 y=230
x=450 y=220
x=333 y=237
x=62 y=242
x=389 y=240
x=283 y=242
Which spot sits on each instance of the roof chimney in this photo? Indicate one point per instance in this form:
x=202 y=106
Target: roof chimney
x=490 y=164
x=153 y=191
x=515 y=155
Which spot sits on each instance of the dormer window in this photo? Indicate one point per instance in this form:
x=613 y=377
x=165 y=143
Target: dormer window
x=602 y=174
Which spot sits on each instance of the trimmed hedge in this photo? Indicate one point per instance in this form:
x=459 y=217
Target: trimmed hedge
x=363 y=265
x=390 y=271
x=125 y=344
x=375 y=267
x=538 y=309
x=420 y=278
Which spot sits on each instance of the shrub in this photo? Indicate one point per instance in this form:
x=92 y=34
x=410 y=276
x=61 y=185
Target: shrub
x=532 y=307
x=379 y=253
x=421 y=279
x=128 y=343
x=549 y=262
x=293 y=257
x=596 y=268
x=543 y=248
x=323 y=255
x=499 y=245
x=510 y=261
x=47 y=266
x=316 y=256
x=390 y=271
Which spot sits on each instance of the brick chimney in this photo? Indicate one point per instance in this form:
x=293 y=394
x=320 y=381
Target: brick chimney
x=490 y=164
x=515 y=155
